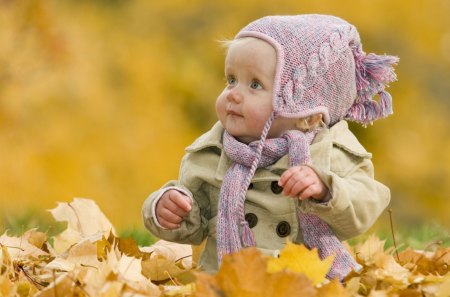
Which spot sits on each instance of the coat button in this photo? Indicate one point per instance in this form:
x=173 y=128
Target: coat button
x=276 y=189
x=251 y=219
x=283 y=229
x=250 y=186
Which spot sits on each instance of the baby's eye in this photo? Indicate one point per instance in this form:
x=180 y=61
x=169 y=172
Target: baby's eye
x=231 y=80
x=255 y=85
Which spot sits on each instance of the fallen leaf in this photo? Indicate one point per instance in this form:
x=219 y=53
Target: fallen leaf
x=389 y=270
x=366 y=252
x=84 y=219
x=35 y=238
x=62 y=286
x=333 y=289
x=287 y=284
x=297 y=258
x=185 y=290
x=19 y=247
x=166 y=260
x=234 y=282
x=206 y=285
x=83 y=253
x=441 y=259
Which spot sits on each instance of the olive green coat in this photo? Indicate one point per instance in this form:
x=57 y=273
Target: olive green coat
x=338 y=158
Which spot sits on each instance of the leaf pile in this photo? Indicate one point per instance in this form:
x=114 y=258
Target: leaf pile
x=88 y=259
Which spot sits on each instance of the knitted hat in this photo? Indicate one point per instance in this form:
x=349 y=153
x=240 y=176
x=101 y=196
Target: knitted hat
x=321 y=68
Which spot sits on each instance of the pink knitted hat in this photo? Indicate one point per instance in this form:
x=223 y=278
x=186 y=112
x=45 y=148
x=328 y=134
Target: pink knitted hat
x=321 y=68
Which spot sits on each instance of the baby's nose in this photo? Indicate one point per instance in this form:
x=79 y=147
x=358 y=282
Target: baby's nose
x=235 y=95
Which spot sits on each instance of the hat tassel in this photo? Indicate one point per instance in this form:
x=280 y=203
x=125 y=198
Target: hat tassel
x=373 y=73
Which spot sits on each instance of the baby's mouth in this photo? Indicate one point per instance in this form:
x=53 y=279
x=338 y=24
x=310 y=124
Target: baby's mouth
x=233 y=113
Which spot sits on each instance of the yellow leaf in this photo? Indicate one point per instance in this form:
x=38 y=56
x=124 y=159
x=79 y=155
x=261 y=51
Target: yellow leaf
x=389 y=270
x=19 y=247
x=207 y=285
x=85 y=219
x=367 y=251
x=166 y=260
x=243 y=274
x=333 y=289
x=297 y=258
x=185 y=290
x=62 y=286
x=84 y=253
x=287 y=284
x=35 y=238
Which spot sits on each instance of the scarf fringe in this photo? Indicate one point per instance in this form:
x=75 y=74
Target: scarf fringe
x=248 y=238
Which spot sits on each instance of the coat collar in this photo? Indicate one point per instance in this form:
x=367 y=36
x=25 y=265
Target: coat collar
x=338 y=135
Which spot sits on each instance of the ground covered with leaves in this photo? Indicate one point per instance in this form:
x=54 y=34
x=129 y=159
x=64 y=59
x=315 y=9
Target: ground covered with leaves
x=88 y=259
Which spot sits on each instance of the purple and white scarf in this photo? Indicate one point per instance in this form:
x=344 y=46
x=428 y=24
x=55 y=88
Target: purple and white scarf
x=233 y=231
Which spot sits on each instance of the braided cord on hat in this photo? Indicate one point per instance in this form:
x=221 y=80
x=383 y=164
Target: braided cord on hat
x=248 y=238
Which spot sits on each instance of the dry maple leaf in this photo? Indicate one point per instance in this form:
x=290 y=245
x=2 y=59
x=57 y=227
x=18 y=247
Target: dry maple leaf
x=19 y=247
x=333 y=289
x=206 y=285
x=244 y=274
x=297 y=258
x=441 y=259
x=84 y=219
x=166 y=260
x=366 y=252
x=287 y=284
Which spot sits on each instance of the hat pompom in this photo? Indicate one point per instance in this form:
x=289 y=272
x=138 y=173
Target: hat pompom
x=373 y=73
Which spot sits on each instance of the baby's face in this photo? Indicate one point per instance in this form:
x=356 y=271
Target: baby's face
x=245 y=104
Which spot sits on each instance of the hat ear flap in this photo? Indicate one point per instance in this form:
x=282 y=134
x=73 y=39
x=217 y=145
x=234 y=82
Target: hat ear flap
x=373 y=74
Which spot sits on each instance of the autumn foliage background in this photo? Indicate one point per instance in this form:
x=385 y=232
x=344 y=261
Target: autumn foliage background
x=99 y=98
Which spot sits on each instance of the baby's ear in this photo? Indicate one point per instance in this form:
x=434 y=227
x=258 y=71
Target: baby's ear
x=314 y=120
x=309 y=123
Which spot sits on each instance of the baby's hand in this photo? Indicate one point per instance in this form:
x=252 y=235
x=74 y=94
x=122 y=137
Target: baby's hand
x=172 y=209
x=302 y=182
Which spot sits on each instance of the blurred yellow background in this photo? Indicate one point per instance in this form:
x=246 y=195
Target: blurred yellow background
x=99 y=98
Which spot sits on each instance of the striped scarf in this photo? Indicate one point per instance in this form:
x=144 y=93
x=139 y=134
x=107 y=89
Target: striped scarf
x=233 y=231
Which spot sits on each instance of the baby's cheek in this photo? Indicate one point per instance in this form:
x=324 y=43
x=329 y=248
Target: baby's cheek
x=221 y=108
x=257 y=119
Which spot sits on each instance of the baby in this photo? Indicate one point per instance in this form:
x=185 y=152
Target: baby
x=281 y=162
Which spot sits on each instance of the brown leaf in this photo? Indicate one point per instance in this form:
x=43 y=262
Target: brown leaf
x=287 y=284
x=206 y=285
x=243 y=274
x=35 y=238
x=441 y=260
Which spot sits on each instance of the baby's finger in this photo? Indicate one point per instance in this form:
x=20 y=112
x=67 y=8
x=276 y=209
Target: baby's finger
x=174 y=208
x=169 y=216
x=167 y=224
x=287 y=175
x=181 y=200
x=309 y=192
x=299 y=187
x=287 y=188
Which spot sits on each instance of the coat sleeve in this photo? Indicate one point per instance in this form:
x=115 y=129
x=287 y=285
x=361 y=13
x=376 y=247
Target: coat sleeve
x=195 y=227
x=357 y=198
